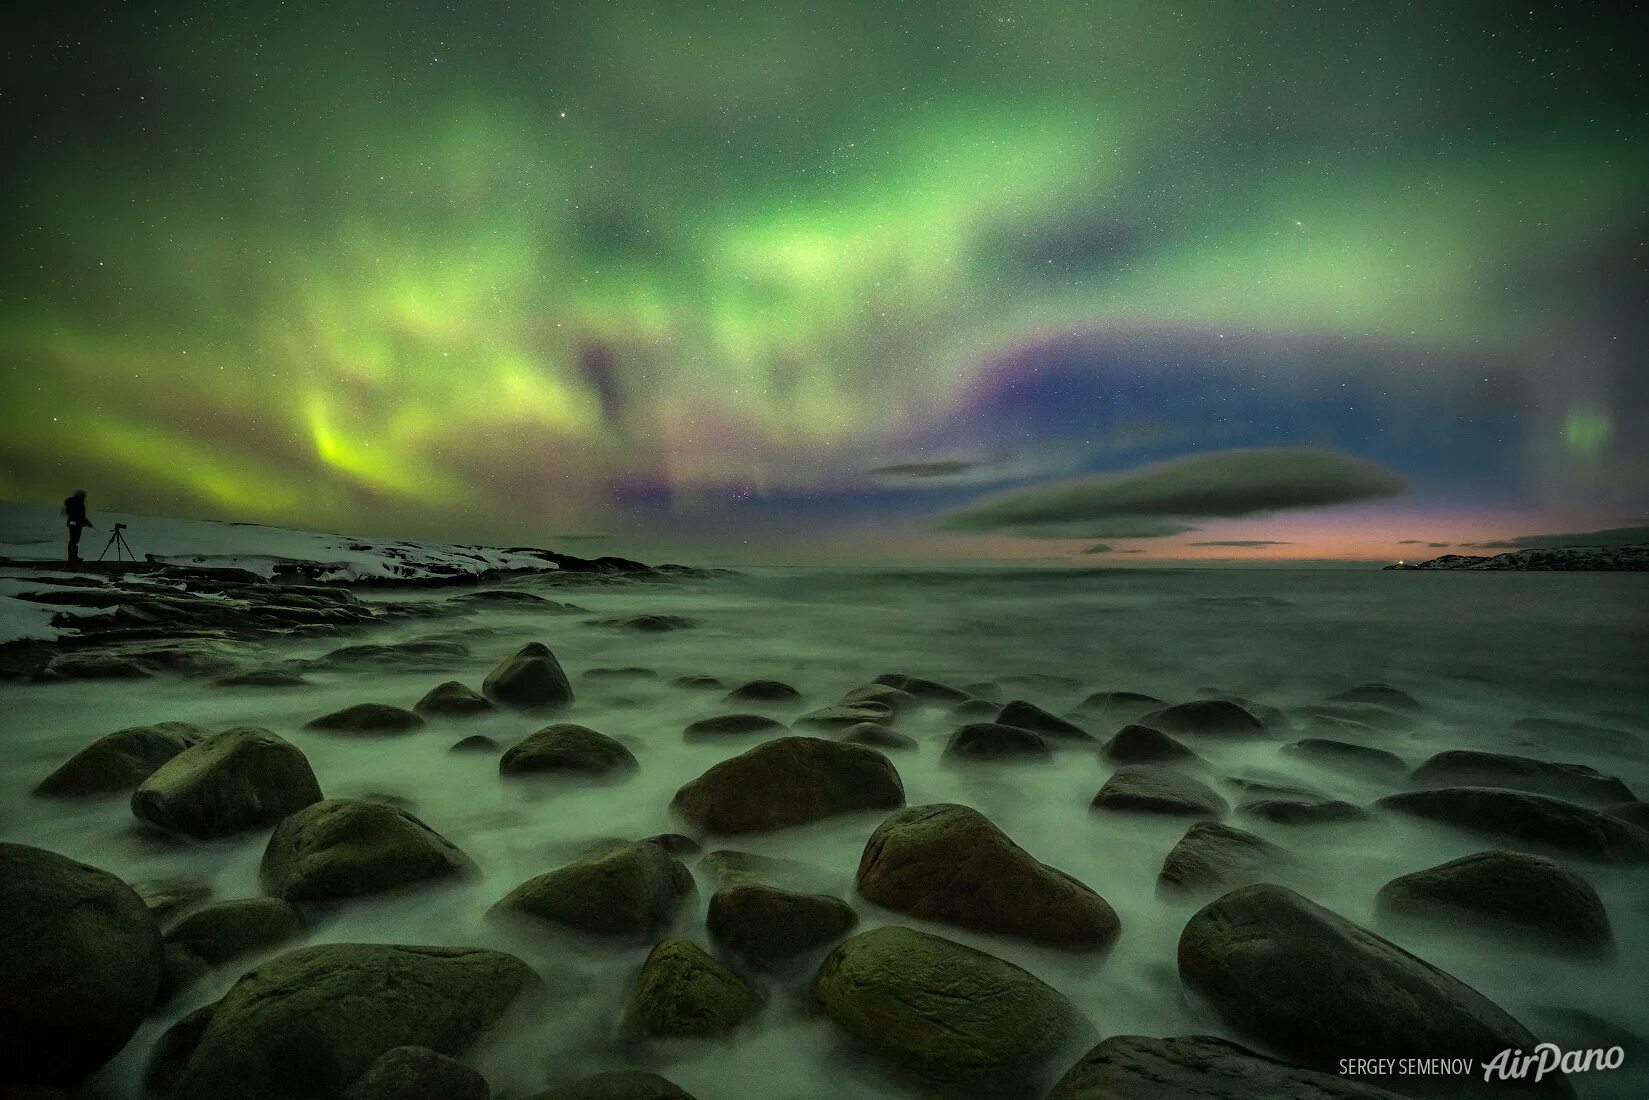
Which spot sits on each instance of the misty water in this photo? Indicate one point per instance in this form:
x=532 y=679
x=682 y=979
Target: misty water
x=1478 y=650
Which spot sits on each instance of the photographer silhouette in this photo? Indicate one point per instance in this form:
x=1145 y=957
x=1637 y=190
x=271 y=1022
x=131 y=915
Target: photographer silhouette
x=75 y=508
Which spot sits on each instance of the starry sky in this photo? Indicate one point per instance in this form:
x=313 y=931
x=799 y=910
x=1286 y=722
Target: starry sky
x=846 y=280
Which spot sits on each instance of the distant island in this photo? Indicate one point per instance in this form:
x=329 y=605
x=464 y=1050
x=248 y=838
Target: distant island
x=1546 y=559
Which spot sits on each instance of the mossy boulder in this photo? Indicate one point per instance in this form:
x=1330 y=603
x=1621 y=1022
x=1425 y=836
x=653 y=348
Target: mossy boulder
x=1529 y=897
x=622 y=1084
x=1469 y=768
x=118 y=762
x=418 y=1073
x=1155 y=789
x=367 y=718
x=1137 y=1067
x=1029 y=716
x=229 y=930
x=765 y=926
x=684 y=993
x=1216 y=857
x=631 y=891
x=992 y=741
x=1531 y=819
x=732 y=725
x=239 y=779
x=82 y=963
x=452 y=700
x=568 y=749
x=346 y=847
x=1205 y=716
x=530 y=678
x=789 y=781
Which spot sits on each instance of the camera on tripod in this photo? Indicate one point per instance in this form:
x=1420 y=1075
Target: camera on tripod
x=117 y=543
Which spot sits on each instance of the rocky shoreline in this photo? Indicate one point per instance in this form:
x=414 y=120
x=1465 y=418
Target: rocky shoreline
x=1304 y=985
x=1613 y=559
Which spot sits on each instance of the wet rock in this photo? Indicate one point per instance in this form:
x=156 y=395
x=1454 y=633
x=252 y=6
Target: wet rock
x=764 y=925
x=949 y=863
x=731 y=867
x=238 y=779
x=993 y=741
x=180 y=969
x=676 y=844
x=955 y=1018
x=119 y=761
x=313 y=1021
x=263 y=677
x=629 y=891
x=790 y=781
x=1118 y=706
x=475 y=742
x=929 y=691
x=504 y=599
x=1290 y=811
x=684 y=993
x=877 y=736
x=1029 y=716
x=566 y=748
x=697 y=683
x=1467 y=768
x=1345 y=756
x=1272 y=788
x=897 y=701
x=1636 y=813
x=1209 y=716
x=82 y=962
x=367 y=718
x=423 y=654
x=92 y=664
x=1152 y=788
x=228 y=930
x=1134 y=744
x=624 y=1084
x=1381 y=695
x=529 y=678
x=168 y=896
x=1529 y=818
x=975 y=710
x=841 y=717
x=1530 y=896
x=732 y=725
x=1211 y=856
x=763 y=691
x=345 y=847
x=1135 y=1067
x=648 y=624
x=451 y=700
x=1317 y=987
x=418 y=1073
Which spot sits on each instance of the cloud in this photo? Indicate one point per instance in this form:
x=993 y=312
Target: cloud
x=1160 y=500
x=1099 y=548
x=1609 y=536
x=1243 y=542
x=1437 y=545
x=1410 y=542
x=1497 y=544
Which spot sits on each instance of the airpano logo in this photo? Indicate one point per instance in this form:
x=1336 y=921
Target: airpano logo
x=1508 y=1065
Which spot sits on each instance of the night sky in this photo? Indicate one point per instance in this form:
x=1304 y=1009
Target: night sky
x=834 y=281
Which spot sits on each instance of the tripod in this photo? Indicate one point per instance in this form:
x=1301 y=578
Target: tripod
x=117 y=542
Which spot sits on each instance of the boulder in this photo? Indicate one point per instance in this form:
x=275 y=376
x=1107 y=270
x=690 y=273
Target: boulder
x=169 y=896
x=877 y=736
x=119 y=761
x=1210 y=716
x=697 y=683
x=263 y=677
x=92 y=664
x=1135 y=744
x=228 y=930
x=1316 y=987
x=993 y=741
x=1531 y=896
x=627 y=672
x=1381 y=695
x=1468 y=768
x=566 y=748
x=929 y=691
x=956 y=1019
x=1029 y=716
x=790 y=781
x=951 y=864
x=1636 y=813
x=1296 y=811
x=82 y=963
x=975 y=710
x=452 y=700
x=314 y=1021
x=417 y=654
x=623 y=1084
x=239 y=779
x=763 y=691
x=1118 y=706
x=1345 y=756
x=530 y=678
x=475 y=742
x=1529 y=818
x=731 y=725
x=841 y=716
x=1211 y=856
x=418 y=1073
x=1136 y=1067
x=765 y=926
x=367 y=718
x=1152 y=788
x=684 y=993
x=731 y=867
x=630 y=891
x=896 y=700
x=648 y=624
x=346 y=847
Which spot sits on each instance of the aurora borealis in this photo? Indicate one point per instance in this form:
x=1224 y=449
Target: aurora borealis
x=806 y=281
